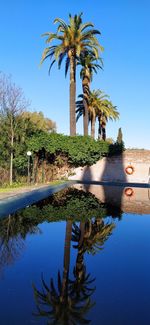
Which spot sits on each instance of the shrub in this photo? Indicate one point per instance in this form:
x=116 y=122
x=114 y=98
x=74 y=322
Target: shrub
x=79 y=150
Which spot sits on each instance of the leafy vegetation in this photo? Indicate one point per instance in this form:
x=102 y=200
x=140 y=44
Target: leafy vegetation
x=80 y=150
x=17 y=125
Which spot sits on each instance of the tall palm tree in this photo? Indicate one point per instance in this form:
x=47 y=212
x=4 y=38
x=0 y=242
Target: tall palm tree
x=71 y=39
x=89 y=65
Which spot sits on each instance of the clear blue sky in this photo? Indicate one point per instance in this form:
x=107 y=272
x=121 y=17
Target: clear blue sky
x=125 y=29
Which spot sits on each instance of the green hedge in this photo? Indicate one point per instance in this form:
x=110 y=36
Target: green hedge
x=80 y=150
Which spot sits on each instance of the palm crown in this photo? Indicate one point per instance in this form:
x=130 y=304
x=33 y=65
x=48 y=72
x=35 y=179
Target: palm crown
x=89 y=64
x=72 y=39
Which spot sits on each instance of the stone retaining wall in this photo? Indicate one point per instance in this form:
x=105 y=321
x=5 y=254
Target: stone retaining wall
x=113 y=168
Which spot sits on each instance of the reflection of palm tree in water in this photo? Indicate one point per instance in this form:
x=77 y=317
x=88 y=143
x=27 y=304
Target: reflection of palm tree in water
x=96 y=232
x=71 y=300
x=61 y=305
x=81 y=284
x=90 y=237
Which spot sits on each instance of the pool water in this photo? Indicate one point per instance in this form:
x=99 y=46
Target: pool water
x=77 y=258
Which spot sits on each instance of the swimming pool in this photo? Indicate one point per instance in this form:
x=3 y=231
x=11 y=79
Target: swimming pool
x=80 y=256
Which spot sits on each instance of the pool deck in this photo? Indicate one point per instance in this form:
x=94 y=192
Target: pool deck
x=18 y=191
x=16 y=199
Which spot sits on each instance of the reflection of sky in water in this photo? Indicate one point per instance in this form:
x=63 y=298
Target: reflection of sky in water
x=43 y=253
x=122 y=274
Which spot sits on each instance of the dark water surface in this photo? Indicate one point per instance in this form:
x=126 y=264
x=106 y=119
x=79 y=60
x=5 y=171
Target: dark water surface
x=91 y=266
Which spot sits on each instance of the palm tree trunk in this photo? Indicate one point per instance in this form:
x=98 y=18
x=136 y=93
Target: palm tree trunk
x=66 y=258
x=85 y=118
x=86 y=90
x=80 y=268
x=82 y=230
x=72 y=95
x=99 y=128
x=104 y=132
x=93 y=127
x=88 y=229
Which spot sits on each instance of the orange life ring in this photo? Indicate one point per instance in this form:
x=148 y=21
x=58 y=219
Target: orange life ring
x=129 y=170
x=129 y=191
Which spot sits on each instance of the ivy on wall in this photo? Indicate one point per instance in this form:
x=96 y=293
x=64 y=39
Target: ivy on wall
x=79 y=150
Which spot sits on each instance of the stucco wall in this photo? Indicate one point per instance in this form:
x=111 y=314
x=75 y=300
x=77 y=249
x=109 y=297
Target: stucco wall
x=113 y=169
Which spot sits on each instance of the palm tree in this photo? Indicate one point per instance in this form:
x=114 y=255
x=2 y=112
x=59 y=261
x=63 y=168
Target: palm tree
x=89 y=65
x=110 y=113
x=98 y=106
x=94 y=108
x=71 y=39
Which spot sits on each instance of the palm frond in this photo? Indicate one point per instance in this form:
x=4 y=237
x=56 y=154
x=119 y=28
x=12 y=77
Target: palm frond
x=67 y=66
x=86 y=25
x=61 y=22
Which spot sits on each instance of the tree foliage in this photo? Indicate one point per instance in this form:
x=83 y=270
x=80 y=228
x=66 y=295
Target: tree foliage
x=120 y=136
x=37 y=121
x=12 y=104
x=80 y=150
x=17 y=125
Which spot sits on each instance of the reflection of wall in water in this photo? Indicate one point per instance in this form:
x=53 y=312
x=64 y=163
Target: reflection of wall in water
x=138 y=202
